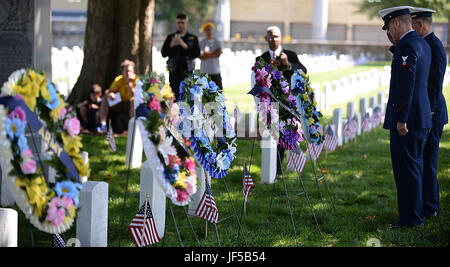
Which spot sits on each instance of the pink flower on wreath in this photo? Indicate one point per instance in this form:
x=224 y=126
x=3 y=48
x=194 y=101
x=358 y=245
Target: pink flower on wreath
x=263 y=78
x=190 y=165
x=28 y=167
x=181 y=195
x=154 y=80
x=154 y=104
x=55 y=213
x=72 y=126
x=18 y=113
x=62 y=113
x=27 y=154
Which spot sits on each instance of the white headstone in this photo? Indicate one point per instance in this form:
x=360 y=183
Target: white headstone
x=363 y=106
x=351 y=110
x=6 y=197
x=358 y=119
x=8 y=227
x=251 y=120
x=338 y=125
x=92 y=222
x=134 y=153
x=201 y=187
x=157 y=197
x=269 y=157
x=372 y=102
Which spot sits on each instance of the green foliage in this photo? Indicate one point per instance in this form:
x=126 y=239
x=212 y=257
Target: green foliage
x=371 y=7
x=195 y=9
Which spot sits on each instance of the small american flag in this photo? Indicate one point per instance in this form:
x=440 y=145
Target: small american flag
x=57 y=241
x=247 y=183
x=296 y=160
x=366 y=124
x=377 y=117
x=143 y=228
x=314 y=150
x=350 y=129
x=207 y=208
x=110 y=138
x=331 y=140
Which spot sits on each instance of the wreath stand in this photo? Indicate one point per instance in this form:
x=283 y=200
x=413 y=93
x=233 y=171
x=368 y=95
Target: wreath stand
x=171 y=208
x=303 y=191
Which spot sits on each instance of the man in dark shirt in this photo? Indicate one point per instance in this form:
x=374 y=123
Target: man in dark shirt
x=182 y=48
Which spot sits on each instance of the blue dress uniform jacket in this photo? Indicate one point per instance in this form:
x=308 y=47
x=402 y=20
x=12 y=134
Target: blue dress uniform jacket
x=408 y=103
x=440 y=118
x=436 y=79
x=408 y=98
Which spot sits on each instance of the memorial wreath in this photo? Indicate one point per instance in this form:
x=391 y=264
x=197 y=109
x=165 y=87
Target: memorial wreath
x=29 y=99
x=283 y=124
x=157 y=113
x=205 y=120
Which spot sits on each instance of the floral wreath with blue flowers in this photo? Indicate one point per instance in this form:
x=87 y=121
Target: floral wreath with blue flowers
x=283 y=123
x=204 y=119
x=173 y=166
x=28 y=97
x=301 y=88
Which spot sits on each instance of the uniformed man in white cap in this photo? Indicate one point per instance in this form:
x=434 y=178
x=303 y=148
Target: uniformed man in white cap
x=422 y=23
x=408 y=113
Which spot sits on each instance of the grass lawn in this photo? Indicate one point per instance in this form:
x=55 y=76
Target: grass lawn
x=359 y=175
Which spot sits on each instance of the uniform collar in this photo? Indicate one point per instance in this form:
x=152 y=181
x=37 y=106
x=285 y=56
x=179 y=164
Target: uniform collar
x=428 y=34
x=406 y=33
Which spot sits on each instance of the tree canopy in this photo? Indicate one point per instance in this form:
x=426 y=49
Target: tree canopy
x=371 y=7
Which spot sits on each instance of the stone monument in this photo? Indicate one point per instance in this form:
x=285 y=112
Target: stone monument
x=25 y=36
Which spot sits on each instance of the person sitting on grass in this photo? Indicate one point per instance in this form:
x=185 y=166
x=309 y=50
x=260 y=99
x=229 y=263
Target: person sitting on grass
x=88 y=110
x=121 y=89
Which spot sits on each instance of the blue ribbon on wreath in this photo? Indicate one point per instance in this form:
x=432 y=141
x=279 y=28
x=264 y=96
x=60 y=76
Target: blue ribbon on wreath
x=36 y=125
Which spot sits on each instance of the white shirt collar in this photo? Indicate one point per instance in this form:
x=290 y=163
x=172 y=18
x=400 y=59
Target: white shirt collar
x=275 y=53
x=406 y=33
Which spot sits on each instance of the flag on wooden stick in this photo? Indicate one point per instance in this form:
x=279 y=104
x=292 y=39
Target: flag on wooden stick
x=207 y=208
x=110 y=138
x=247 y=183
x=142 y=228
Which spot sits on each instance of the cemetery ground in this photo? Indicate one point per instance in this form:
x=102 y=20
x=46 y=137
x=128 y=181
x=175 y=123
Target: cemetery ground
x=359 y=175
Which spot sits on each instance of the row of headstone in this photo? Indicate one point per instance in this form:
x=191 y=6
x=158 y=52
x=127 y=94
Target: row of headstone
x=341 y=91
x=365 y=110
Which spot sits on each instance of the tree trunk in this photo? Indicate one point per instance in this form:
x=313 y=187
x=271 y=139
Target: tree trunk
x=115 y=31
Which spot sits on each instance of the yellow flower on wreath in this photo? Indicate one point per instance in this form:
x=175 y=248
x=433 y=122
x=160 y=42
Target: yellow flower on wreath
x=154 y=89
x=167 y=92
x=54 y=114
x=37 y=192
x=181 y=182
x=72 y=146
